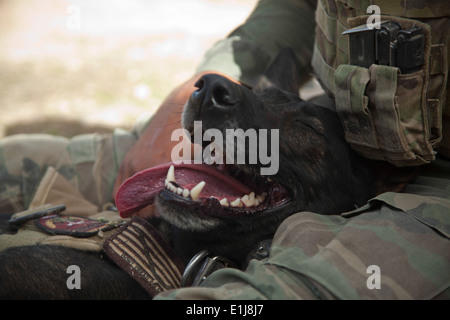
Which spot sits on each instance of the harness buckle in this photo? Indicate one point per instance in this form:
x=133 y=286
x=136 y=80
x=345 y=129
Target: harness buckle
x=201 y=266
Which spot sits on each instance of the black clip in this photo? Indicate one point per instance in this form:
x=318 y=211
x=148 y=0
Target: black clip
x=31 y=214
x=361 y=45
x=387 y=45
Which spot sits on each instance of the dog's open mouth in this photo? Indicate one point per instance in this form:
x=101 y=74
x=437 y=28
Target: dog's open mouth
x=211 y=190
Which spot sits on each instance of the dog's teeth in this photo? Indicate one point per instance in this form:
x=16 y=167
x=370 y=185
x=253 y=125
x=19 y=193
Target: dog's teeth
x=236 y=203
x=179 y=190
x=195 y=191
x=246 y=200
x=166 y=183
x=224 y=202
x=185 y=193
x=171 y=174
x=261 y=197
x=251 y=200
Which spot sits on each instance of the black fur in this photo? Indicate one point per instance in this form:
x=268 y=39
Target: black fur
x=40 y=272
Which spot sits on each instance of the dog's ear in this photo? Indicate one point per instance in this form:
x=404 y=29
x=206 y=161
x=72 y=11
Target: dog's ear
x=283 y=72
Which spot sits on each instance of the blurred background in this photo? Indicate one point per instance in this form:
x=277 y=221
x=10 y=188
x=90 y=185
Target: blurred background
x=79 y=66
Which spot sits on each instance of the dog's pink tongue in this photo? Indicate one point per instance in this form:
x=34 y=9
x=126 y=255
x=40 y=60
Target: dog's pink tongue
x=141 y=189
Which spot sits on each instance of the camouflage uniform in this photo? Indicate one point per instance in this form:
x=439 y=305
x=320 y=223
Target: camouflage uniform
x=398 y=241
x=89 y=162
x=38 y=170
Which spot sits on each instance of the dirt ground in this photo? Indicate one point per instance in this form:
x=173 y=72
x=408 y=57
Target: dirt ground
x=70 y=67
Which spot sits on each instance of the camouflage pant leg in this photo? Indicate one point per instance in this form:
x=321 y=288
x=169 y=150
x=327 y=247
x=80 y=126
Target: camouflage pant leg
x=395 y=247
x=89 y=162
x=23 y=160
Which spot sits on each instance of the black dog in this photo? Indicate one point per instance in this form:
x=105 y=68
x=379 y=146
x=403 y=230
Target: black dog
x=317 y=172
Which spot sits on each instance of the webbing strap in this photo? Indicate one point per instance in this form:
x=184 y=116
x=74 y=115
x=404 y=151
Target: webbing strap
x=141 y=252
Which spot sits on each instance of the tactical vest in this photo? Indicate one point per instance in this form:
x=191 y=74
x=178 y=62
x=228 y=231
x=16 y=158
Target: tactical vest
x=388 y=115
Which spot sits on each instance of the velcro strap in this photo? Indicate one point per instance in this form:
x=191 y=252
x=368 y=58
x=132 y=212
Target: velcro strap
x=141 y=252
x=437 y=59
x=351 y=105
x=382 y=89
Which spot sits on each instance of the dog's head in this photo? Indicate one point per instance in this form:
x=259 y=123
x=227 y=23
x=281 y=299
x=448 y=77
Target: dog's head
x=277 y=155
x=287 y=155
x=294 y=159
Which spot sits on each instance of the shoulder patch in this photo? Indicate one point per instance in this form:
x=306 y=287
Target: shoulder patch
x=72 y=225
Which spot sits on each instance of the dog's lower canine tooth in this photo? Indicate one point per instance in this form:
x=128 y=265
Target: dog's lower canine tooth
x=224 y=202
x=185 y=193
x=171 y=174
x=195 y=191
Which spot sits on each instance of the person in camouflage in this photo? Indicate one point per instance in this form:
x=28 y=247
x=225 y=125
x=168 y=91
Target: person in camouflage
x=397 y=246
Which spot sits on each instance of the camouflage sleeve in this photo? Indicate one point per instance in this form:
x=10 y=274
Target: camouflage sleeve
x=395 y=247
x=89 y=162
x=272 y=26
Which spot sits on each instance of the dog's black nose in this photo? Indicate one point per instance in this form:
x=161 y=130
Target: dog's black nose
x=215 y=91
